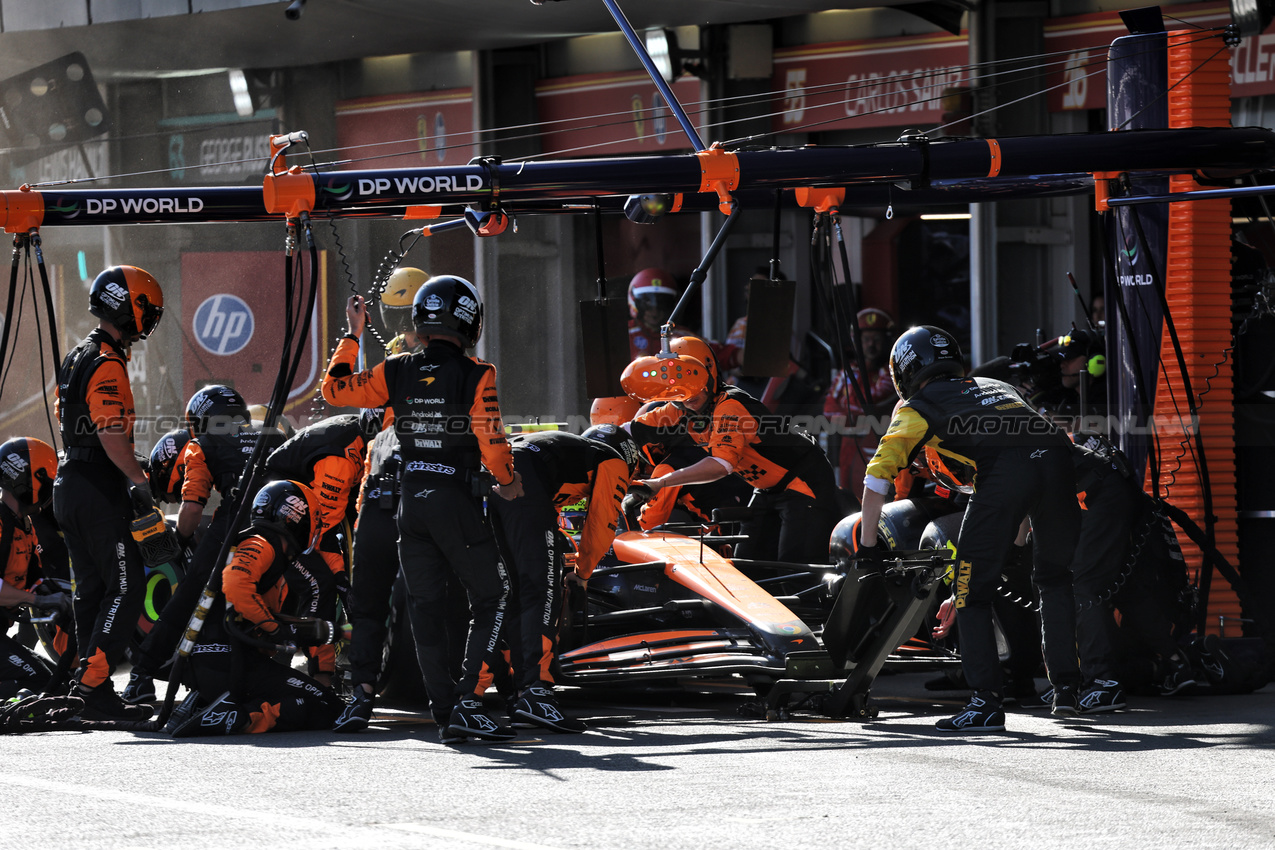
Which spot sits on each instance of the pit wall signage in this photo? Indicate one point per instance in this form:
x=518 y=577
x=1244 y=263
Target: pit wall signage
x=233 y=323
x=601 y=114
x=871 y=83
x=416 y=130
x=1080 y=82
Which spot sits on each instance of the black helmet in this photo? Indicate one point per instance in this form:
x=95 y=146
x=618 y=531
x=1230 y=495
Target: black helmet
x=27 y=469
x=396 y=300
x=617 y=438
x=165 y=474
x=446 y=304
x=216 y=409
x=291 y=509
x=129 y=298
x=921 y=353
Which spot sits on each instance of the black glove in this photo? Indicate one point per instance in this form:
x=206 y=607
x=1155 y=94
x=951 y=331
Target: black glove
x=56 y=601
x=870 y=557
x=631 y=505
x=187 y=546
x=342 y=580
x=143 y=502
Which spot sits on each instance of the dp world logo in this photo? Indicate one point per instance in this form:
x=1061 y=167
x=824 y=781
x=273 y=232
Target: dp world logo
x=223 y=324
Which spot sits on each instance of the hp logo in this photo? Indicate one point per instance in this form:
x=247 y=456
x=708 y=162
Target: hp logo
x=223 y=324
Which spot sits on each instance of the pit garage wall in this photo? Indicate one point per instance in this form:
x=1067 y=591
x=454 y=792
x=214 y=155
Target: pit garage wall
x=556 y=260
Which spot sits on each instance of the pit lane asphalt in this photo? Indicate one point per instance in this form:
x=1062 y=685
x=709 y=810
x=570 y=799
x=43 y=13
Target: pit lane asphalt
x=1189 y=772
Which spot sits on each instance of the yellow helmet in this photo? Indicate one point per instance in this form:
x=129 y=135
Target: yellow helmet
x=396 y=300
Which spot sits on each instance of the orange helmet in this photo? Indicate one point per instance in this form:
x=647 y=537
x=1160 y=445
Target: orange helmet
x=27 y=469
x=613 y=410
x=129 y=298
x=652 y=289
x=693 y=346
x=664 y=378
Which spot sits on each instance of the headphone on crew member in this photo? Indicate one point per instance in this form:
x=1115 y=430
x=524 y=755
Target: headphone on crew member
x=1090 y=345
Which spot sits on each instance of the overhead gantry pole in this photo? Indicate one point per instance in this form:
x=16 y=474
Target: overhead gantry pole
x=425 y=192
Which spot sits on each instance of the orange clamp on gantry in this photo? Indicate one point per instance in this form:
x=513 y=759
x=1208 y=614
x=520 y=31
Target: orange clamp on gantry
x=418 y=212
x=719 y=172
x=23 y=210
x=289 y=193
x=994 y=155
x=1102 y=188
x=822 y=200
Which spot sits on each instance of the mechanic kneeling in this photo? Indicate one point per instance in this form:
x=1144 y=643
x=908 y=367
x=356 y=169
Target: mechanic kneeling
x=328 y=457
x=27 y=469
x=232 y=662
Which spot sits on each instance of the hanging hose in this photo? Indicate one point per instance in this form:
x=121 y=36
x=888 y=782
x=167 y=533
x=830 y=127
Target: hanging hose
x=48 y=298
x=819 y=261
x=254 y=469
x=19 y=242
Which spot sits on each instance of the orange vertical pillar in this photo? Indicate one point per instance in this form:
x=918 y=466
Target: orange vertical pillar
x=1198 y=288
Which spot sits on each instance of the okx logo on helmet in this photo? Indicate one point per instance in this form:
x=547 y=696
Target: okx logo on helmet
x=449 y=306
x=129 y=298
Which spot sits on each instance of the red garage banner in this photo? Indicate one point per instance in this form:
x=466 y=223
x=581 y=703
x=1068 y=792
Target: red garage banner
x=407 y=131
x=1078 y=75
x=875 y=83
x=603 y=114
x=233 y=322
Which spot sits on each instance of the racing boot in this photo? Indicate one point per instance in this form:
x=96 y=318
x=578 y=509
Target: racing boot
x=187 y=707
x=140 y=688
x=1178 y=677
x=102 y=703
x=982 y=714
x=538 y=704
x=1066 y=701
x=221 y=717
x=1102 y=695
x=442 y=719
x=468 y=720
x=357 y=713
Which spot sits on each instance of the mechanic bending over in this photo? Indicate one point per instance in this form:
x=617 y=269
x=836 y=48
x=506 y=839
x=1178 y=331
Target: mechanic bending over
x=447 y=417
x=792 y=479
x=557 y=469
x=1021 y=466
x=186 y=466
